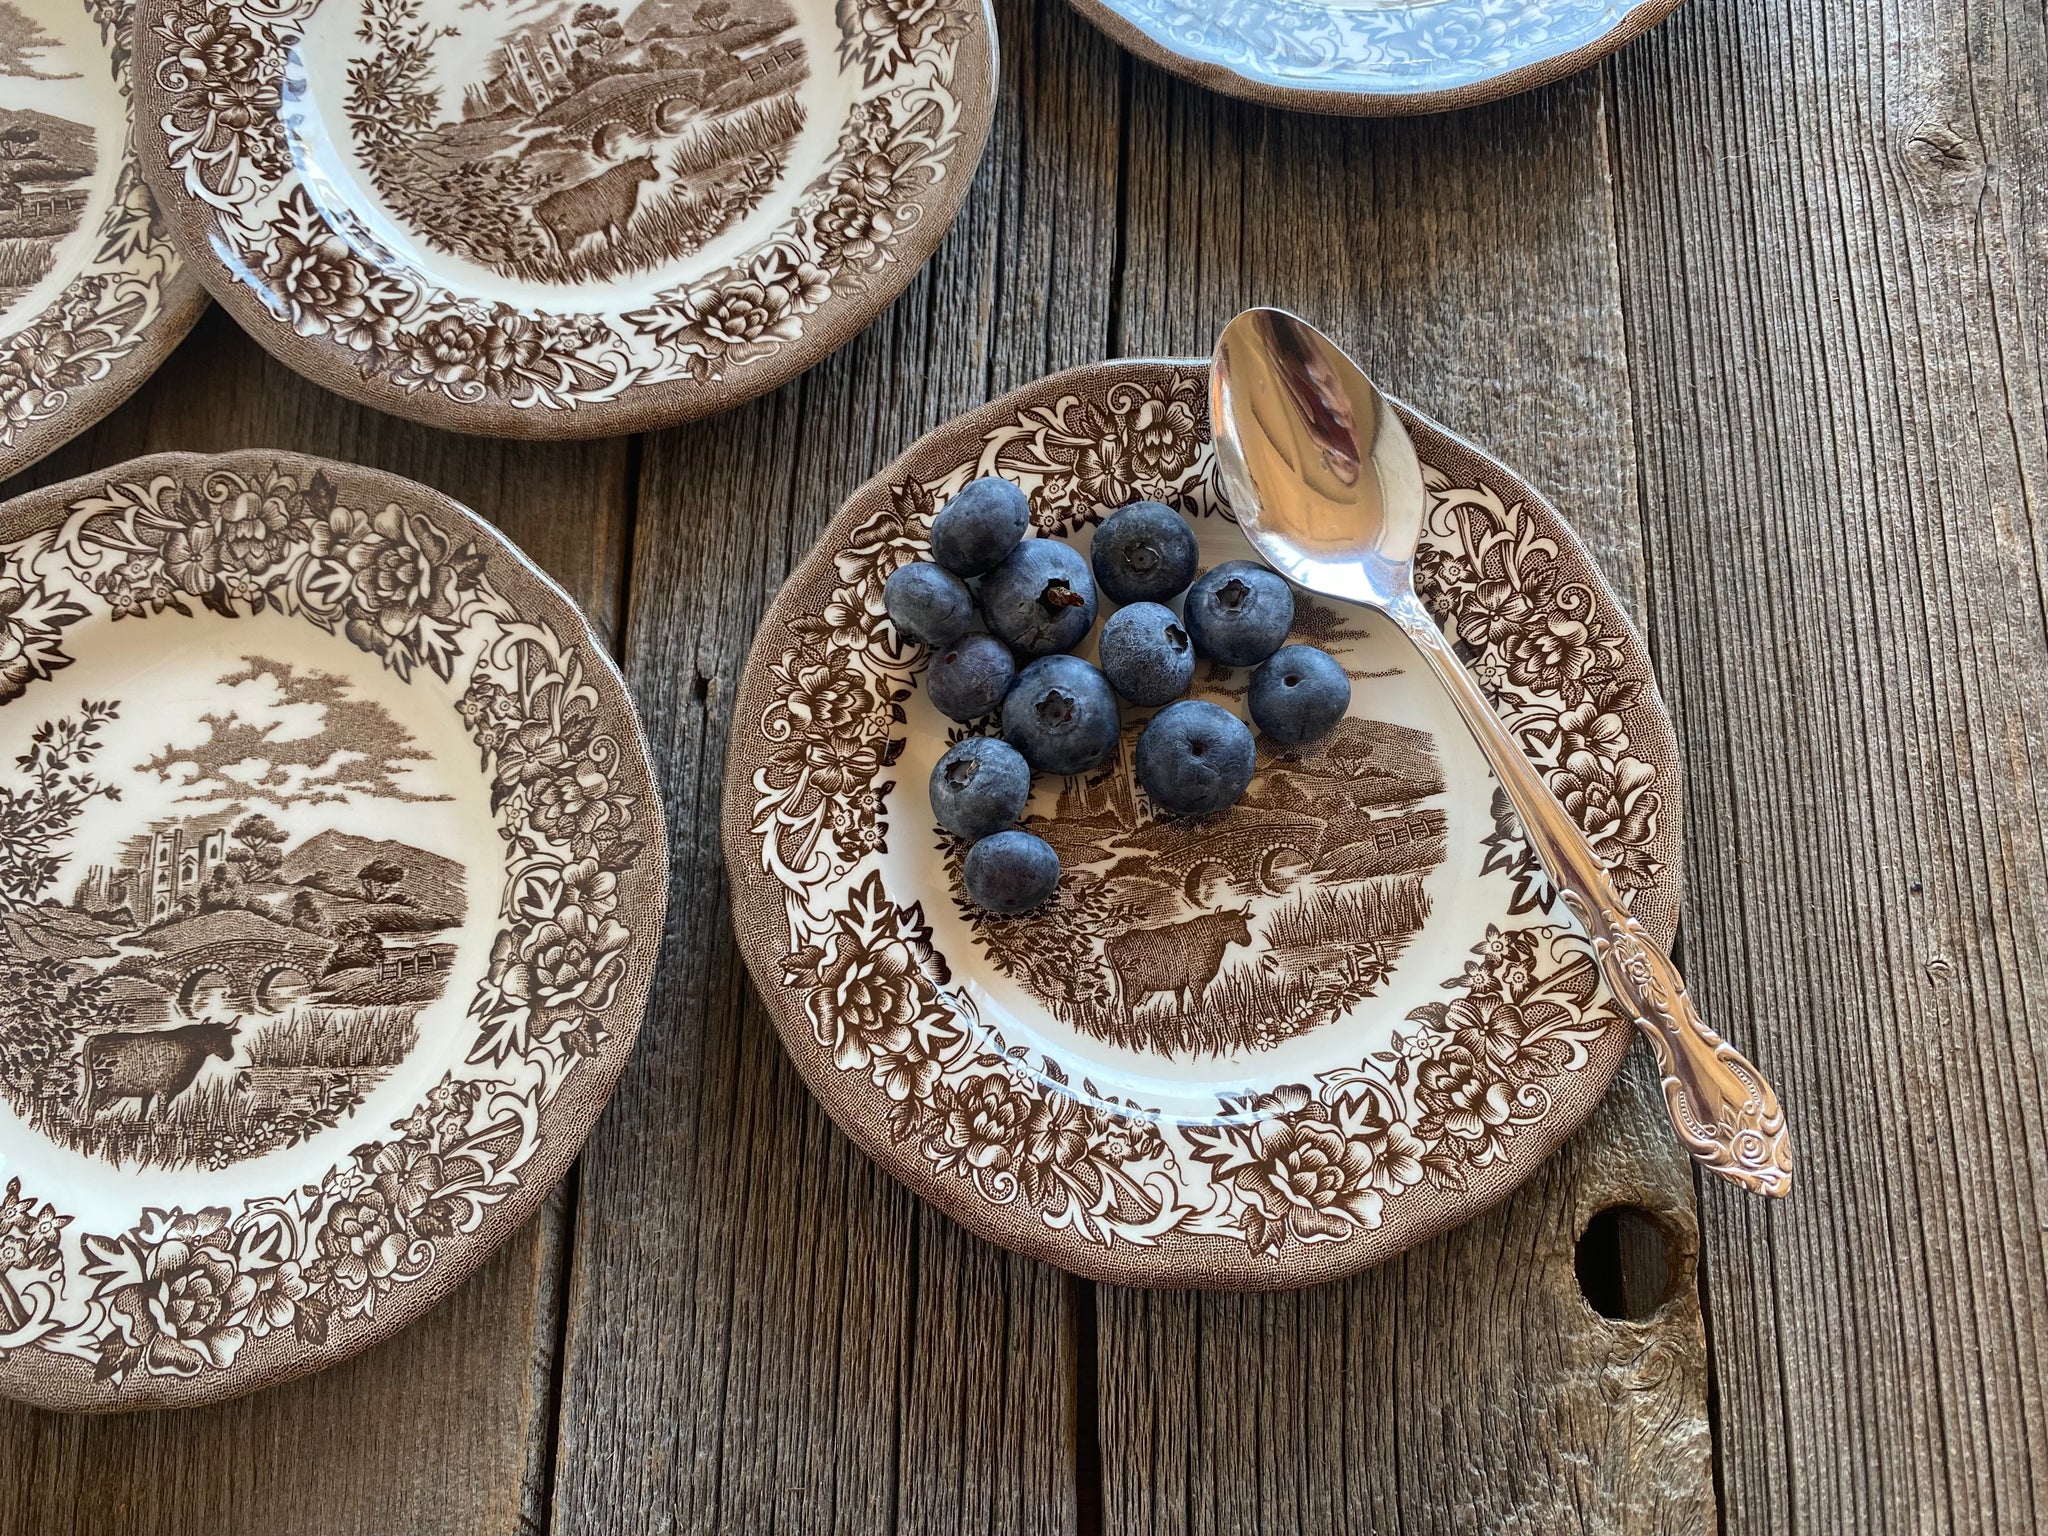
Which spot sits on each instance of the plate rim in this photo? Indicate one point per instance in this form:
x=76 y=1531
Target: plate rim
x=66 y=1383
x=1226 y=81
x=181 y=300
x=644 y=407
x=757 y=906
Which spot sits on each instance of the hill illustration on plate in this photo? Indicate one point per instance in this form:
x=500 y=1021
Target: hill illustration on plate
x=1231 y=932
x=46 y=161
x=595 y=142
x=226 y=983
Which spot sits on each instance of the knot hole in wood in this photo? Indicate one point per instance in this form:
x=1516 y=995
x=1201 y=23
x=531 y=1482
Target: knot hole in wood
x=1631 y=1261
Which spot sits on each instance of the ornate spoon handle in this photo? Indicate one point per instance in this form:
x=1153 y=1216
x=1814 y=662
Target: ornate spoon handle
x=1721 y=1107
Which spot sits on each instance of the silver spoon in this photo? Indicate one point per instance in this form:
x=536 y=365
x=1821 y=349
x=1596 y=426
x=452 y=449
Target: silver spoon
x=1326 y=485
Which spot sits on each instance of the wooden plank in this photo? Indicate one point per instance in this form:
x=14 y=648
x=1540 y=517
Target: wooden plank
x=445 y=1428
x=765 y=1332
x=1832 y=237
x=1468 y=1386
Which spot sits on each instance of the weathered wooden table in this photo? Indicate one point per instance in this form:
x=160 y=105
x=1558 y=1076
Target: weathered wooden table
x=1763 y=304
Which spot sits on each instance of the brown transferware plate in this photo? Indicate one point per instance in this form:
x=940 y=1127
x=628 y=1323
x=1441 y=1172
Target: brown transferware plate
x=552 y=218
x=92 y=294
x=331 y=878
x=1262 y=1050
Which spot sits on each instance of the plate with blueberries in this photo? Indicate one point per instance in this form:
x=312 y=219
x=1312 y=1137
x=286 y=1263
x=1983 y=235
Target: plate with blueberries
x=1153 y=916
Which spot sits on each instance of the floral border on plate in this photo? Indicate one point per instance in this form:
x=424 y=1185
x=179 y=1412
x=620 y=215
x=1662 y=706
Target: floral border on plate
x=1308 y=1180
x=191 y=1304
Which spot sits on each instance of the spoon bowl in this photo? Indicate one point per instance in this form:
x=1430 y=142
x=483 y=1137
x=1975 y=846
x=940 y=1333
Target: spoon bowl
x=1318 y=468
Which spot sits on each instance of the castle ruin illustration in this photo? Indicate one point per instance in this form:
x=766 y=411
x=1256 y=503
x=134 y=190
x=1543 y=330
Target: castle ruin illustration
x=533 y=74
x=163 y=871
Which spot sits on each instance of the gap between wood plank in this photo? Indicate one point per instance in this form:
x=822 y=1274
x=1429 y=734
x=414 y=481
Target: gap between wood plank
x=1653 y=642
x=1087 y=1410
x=539 y=1518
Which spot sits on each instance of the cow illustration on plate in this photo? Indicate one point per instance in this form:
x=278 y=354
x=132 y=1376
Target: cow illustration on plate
x=215 y=945
x=331 y=875
x=578 y=141
x=1235 y=931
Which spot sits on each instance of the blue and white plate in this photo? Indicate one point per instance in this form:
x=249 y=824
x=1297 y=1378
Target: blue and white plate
x=1374 y=57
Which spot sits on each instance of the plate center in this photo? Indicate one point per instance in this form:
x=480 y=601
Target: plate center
x=239 y=868
x=535 y=151
x=1184 y=959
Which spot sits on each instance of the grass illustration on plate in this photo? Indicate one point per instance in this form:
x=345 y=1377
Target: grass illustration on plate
x=24 y=263
x=346 y=1038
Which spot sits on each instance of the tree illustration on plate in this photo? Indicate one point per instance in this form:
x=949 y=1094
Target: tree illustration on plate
x=259 y=848
x=38 y=816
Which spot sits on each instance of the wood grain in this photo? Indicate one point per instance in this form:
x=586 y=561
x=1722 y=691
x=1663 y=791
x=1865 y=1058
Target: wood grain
x=765 y=1332
x=1470 y=263
x=1761 y=305
x=446 y=1428
x=1835 y=252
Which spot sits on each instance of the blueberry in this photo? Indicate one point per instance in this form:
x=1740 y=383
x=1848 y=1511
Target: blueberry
x=1239 y=613
x=1144 y=553
x=968 y=678
x=1011 y=872
x=1195 y=757
x=1041 y=599
x=928 y=604
x=1146 y=655
x=980 y=787
x=977 y=529
x=1061 y=715
x=1299 y=695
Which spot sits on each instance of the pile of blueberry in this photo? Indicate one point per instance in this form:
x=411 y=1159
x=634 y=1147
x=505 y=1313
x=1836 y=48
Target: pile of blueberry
x=1060 y=713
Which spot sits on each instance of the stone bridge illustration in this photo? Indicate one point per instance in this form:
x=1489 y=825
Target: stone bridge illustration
x=1252 y=844
x=662 y=103
x=257 y=975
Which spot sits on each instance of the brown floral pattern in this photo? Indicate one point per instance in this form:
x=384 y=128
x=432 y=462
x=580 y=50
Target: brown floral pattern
x=185 y=1292
x=33 y=616
x=1314 y=1163
x=1558 y=672
x=230 y=89
x=391 y=581
x=216 y=69
x=872 y=990
x=1461 y=1085
x=30 y=1255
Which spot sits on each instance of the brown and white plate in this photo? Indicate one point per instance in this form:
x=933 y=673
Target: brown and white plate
x=92 y=294
x=560 y=218
x=1261 y=1050
x=331 y=876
